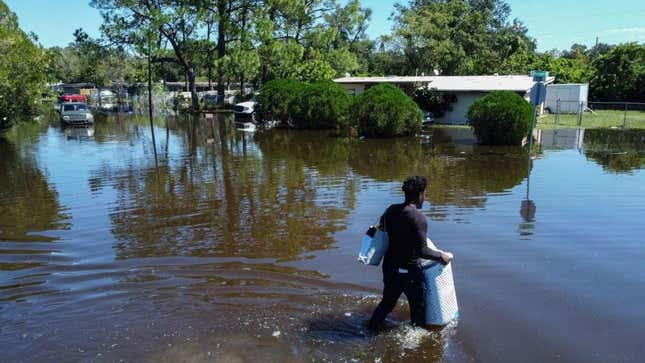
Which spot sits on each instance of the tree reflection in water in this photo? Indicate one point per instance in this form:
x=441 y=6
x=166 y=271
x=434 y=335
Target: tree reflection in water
x=617 y=151
x=28 y=204
x=457 y=177
x=279 y=194
x=29 y=209
x=226 y=198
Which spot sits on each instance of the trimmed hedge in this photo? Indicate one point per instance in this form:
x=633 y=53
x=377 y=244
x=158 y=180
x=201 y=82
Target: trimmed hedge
x=279 y=99
x=385 y=111
x=323 y=105
x=500 y=118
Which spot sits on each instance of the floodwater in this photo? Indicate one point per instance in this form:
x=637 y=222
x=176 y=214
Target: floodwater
x=241 y=247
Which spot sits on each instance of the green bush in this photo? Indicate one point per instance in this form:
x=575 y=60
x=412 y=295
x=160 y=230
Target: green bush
x=279 y=100
x=385 y=111
x=500 y=118
x=323 y=105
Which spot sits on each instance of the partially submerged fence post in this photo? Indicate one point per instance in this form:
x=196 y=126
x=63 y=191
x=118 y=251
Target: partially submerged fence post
x=580 y=110
x=557 y=111
x=625 y=117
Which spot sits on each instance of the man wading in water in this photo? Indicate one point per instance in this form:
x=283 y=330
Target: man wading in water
x=407 y=230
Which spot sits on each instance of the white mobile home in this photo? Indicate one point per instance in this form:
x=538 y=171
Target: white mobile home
x=467 y=89
x=566 y=98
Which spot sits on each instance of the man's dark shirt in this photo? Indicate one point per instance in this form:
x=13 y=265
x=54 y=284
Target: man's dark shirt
x=407 y=229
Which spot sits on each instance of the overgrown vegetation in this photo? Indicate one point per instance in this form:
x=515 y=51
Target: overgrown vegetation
x=323 y=105
x=620 y=74
x=500 y=118
x=22 y=71
x=317 y=105
x=385 y=111
x=381 y=111
x=279 y=100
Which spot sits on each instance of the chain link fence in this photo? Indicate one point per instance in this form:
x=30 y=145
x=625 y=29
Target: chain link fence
x=594 y=114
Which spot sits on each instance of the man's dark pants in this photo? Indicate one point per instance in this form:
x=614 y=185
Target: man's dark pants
x=413 y=285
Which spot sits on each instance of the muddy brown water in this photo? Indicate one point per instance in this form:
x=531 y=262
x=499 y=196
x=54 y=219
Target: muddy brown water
x=241 y=247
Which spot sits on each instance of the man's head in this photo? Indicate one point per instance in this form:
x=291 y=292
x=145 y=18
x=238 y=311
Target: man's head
x=414 y=188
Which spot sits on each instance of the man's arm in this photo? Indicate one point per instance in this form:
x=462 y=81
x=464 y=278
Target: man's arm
x=420 y=244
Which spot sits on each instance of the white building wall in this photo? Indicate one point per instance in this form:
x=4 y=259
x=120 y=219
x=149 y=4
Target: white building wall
x=354 y=89
x=460 y=108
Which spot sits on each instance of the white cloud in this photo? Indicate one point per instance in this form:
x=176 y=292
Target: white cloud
x=629 y=34
x=632 y=30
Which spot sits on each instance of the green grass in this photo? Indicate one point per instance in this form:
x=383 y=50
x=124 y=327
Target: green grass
x=597 y=119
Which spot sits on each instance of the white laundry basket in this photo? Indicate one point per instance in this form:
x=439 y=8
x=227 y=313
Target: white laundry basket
x=441 y=297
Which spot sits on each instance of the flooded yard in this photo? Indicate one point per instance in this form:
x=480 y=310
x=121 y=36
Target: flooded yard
x=237 y=247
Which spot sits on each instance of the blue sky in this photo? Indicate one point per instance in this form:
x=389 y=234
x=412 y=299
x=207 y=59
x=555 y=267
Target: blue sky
x=554 y=23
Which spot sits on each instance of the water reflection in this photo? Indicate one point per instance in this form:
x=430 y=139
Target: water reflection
x=242 y=245
x=29 y=206
x=224 y=199
x=616 y=150
x=527 y=207
x=461 y=177
x=79 y=133
x=460 y=174
x=30 y=212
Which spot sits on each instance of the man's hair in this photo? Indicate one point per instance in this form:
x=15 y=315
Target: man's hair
x=413 y=186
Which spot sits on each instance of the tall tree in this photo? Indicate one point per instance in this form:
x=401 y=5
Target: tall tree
x=620 y=74
x=179 y=22
x=458 y=36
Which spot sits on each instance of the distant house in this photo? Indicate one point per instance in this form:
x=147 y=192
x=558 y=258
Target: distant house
x=468 y=89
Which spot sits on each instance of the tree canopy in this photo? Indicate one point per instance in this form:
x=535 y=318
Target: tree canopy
x=22 y=70
x=237 y=43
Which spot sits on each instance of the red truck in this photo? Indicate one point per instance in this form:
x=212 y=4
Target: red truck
x=69 y=97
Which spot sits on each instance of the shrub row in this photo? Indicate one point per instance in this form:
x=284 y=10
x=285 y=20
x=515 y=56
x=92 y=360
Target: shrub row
x=381 y=111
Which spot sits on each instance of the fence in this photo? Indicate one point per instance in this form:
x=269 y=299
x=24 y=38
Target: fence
x=595 y=114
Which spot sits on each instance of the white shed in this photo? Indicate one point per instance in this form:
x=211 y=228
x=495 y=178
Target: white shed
x=566 y=98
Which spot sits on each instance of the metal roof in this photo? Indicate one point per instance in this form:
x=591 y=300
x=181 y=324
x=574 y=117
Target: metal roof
x=454 y=83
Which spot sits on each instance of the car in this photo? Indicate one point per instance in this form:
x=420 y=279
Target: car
x=76 y=113
x=428 y=118
x=245 y=111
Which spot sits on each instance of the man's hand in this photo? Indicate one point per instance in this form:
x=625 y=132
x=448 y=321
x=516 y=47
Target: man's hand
x=446 y=257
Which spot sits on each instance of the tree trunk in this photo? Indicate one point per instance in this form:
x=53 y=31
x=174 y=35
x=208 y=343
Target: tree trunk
x=209 y=61
x=221 y=49
x=186 y=85
x=193 y=89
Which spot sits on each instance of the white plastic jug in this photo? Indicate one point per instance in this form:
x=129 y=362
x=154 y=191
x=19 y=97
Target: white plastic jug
x=373 y=249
